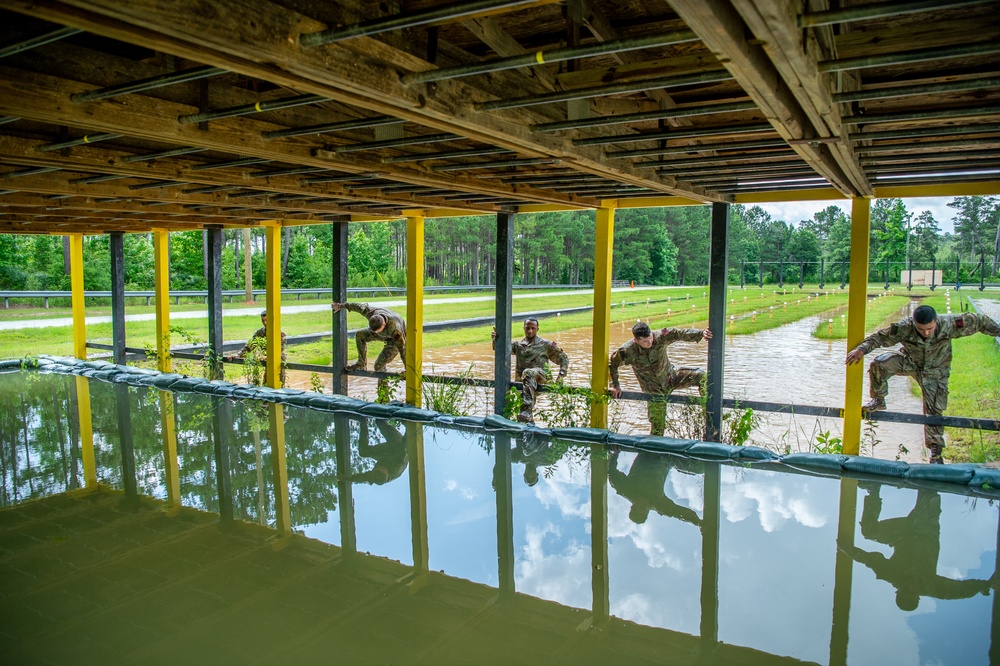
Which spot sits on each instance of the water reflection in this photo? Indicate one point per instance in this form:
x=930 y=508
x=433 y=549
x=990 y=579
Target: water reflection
x=737 y=564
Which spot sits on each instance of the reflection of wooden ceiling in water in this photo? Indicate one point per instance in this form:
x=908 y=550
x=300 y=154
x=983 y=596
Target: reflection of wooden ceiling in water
x=87 y=579
x=139 y=114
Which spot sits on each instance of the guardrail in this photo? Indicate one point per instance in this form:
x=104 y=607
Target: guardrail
x=231 y=294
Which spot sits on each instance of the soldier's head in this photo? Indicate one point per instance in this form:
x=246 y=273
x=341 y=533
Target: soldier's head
x=376 y=323
x=530 y=328
x=639 y=511
x=643 y=336
x=530 y=474
x=925 y=321
x=263 y=317
x=907 y=600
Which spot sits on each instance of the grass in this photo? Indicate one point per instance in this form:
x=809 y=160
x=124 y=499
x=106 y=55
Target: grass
x=880 y=310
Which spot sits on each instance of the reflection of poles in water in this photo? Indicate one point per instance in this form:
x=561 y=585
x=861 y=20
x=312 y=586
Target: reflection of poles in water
x=915 y=540
x=600 y=581
x=261 y=507
x=418 y=500
x=126 y=444
x=843 y=572
x=505 y=515
x=348 y=533
x=222 y=428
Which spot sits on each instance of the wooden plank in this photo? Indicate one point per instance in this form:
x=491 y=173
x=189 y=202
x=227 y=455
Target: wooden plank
x=267 y=48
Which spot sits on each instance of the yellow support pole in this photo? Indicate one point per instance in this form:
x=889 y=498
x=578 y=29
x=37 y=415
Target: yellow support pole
x=76 y=285
x=272 y=373
x=86 y=432
x=276 y=433
x=604 y=243
x=161 y=283
x=857 y=298
x=169 y=431
x=414 y=308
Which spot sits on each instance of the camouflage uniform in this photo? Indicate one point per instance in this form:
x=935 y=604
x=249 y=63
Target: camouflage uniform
x=926 y=360
x=262 y=334
x=532 y=368
x=393 y=335
x=654 y=371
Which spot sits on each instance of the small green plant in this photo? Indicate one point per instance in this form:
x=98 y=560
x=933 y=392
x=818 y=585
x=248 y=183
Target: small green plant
x=253 y=361
x=514 y=403
x=448 y=398
x=316 y=383
x=386 y=390
x=738 y=424
x=568 y=406
x=870 y=439
x=210 y=362
x=29 y=362
x=826 y=443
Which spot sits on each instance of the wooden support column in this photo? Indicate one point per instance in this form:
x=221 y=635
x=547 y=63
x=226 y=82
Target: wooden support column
x=414 y=306
x=117 y=242
x=126 y=444
x=857 y=300
x=272 y=373
x=418 y=495
x=844 y=570
x=718 y=272
x=339 y=355
x=161 y=280
x=86 y=422
x=276 y=435
x=604 y=243
x=76 y=285
x=345 y=491
x=168 y=430
x=505 y=514
x=213 y=272
x=504 y=305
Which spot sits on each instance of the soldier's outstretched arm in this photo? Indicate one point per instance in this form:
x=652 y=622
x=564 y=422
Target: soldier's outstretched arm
x=885 y=337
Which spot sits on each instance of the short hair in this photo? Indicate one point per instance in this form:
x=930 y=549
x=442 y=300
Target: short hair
x=263 y=313
x=925 y=314
x=531 y=319
x=376 y=322
x=641 y=330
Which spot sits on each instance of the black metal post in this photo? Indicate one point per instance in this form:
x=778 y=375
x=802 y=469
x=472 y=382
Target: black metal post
x=886 y=273
x=760 y=273
x=504 y=299
x=909 y=276
x=843 y=282
x=982 y=270
x=781 y=273
x=124 y=413
x=339 y=356
x=117 y=297
x=213 y=275
x=822 y=273
x=958 y=273
x=933 y=272
x=743 y=273
x=802 y=273
x=600 y=579
x=710 y=535
x=719 y=252
x=505 y=515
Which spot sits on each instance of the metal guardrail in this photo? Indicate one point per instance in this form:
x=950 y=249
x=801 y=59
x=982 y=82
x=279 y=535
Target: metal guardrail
x=298 y=293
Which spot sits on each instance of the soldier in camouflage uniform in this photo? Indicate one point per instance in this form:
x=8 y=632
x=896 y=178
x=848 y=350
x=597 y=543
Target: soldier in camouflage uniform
x=533 y=354
x=925 y=356
x=261 y=333
x=384 y=325
x=647 y=354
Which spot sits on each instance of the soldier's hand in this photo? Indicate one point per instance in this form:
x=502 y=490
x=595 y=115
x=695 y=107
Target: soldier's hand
x=854 y=356
x=336 y=306
x=493 y=334
x=615 y=392
x=706 y=334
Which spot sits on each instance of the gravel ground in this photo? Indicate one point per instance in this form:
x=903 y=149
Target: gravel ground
x=989 y=307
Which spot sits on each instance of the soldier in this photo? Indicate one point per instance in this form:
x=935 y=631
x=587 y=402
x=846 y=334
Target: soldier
x=261 y=334
x=533 y=354
x=390 y=456
x=647 y=354
x=384 y=325
x=925 y=356
x=643 y=485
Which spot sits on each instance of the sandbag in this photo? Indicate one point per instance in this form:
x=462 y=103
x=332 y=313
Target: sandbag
x=893 y=468
x=668 y=444
x=961 y=473
x=714 y=450
x=826 y=461
x=581 y=434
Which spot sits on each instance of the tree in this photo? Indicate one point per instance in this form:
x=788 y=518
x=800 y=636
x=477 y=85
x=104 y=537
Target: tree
x=976 y=225
x=925 y=238
x=889 y=224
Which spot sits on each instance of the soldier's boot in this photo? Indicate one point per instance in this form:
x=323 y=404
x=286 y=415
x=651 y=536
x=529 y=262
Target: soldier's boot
x=524 y=416
x=874 y=405
x=937 y=454
x=362 y=362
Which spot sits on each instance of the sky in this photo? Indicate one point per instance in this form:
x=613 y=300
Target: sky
x=794 y=211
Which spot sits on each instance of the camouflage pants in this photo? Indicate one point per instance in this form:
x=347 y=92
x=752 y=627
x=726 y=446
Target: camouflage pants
x=531 y=379
x=678 y=378
x=284 y=371
x=934 y=390
x=389 y=352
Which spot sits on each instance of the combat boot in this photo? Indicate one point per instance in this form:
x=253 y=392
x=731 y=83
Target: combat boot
x=524 y=416
x=936 y=451
x=874 y=405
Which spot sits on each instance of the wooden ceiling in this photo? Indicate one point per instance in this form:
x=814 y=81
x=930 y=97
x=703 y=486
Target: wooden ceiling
x=132 y=115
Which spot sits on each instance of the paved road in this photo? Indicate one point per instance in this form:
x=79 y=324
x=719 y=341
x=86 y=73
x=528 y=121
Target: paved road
x=285 y=309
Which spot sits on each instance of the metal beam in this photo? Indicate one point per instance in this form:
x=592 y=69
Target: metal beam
x=76 y=285
x=213 y=270
x=503 y=319
x=338 y=384
x=272 y=259
x=414 y=309
x=117 y=243
x=161 y=284
x=717 y=280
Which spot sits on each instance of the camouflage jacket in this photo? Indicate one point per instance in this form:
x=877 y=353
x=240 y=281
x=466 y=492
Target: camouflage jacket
x=931 y=355
x=537 y=354
x=262 y=333
x=395 y=327
x=651 y=366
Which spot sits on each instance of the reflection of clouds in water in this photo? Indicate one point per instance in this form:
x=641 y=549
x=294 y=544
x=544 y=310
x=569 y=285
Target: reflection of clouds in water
x=565 y=490
x=464 y=492
x=775 y=504
x=688 y=487
x=558 y=576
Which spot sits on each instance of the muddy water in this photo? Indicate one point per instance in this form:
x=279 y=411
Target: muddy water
x=785 y=364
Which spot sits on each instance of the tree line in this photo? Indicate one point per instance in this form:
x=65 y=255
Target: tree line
x=660 y=246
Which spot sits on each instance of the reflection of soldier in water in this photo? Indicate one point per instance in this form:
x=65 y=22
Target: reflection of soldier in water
x=390 y=456
x=535 y=452
x=915 y=541
x=643 y=485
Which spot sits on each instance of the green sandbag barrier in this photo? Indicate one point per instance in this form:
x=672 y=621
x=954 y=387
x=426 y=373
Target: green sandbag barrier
x=961 y=473
x=985 y=478
x=379 y=411
x=495 y=422
x=874 y=466
x=667 y=444
x=469 y=421
x=300 y=400
x=756 y=453
x=623 y=440
x=186 y=384
x=832 y=462
x=415 y=414
x=581 y=434
x=10 y=364
x=714 y=450
x=164 y=381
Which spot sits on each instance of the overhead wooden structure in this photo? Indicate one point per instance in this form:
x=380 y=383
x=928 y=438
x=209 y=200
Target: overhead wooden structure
x=128 y=116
